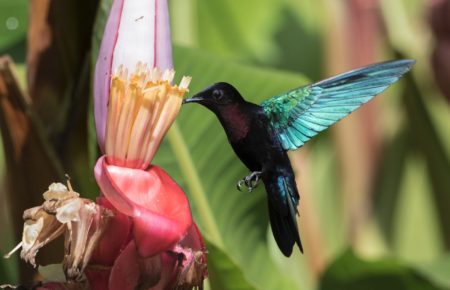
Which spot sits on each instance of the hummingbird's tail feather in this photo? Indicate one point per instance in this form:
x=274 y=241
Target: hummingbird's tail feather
x=283 y=200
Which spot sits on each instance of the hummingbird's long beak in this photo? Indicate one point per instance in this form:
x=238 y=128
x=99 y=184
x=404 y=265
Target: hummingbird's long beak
x=195 y=99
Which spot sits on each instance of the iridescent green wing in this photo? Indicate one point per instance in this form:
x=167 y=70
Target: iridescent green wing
x=300 y=114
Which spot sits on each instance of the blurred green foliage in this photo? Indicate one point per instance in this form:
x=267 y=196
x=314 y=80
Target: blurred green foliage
x=401 y=240
x=13 y=28
x=350 y=272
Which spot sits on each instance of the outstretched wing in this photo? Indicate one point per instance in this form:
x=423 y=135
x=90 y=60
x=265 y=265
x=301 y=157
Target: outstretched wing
x=300 y=114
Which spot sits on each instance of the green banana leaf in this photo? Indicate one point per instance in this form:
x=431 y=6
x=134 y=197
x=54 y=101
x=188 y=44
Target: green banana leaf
x=351 y=272
x=225 y=273
x=14 y=20
x=437 y=271
x=223 y=27
x=282 y=34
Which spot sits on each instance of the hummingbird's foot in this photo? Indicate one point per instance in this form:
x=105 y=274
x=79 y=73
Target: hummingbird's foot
x=251 y=181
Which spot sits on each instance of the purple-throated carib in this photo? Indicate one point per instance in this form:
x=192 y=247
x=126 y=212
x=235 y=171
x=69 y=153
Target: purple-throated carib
x=261 y=134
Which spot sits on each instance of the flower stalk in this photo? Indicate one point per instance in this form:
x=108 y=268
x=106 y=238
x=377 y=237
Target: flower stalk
x=141 y=226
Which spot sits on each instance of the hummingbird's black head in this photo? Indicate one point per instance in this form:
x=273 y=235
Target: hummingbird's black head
x=216 y=96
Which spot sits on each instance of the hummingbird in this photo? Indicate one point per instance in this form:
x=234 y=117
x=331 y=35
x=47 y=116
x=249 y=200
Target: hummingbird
x=261 y=135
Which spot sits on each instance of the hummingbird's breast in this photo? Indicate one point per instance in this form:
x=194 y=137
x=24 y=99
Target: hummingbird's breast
x=236 y=122
x=248 y=131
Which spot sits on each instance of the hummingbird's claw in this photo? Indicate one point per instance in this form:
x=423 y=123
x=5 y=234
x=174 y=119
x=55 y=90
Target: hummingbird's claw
x=239 y=184
x=251 y=181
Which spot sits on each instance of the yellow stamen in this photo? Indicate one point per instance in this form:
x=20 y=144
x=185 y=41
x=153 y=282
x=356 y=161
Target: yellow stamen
x=142 y=106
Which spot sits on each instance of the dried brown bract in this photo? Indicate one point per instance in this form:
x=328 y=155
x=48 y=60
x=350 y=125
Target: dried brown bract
x=81 y=220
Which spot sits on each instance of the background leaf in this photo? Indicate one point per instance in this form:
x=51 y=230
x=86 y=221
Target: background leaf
x=437 y=271
x=224 y=274
x=223 y=27
x=13 y=28
x=350 y=272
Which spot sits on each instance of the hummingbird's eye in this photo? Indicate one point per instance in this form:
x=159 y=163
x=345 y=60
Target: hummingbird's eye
x=217 y=94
